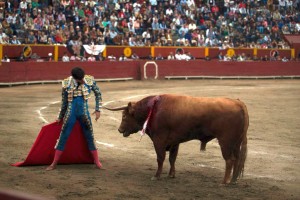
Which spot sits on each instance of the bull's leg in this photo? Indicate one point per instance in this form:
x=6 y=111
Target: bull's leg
x=228 y=169
x=172 y=159
x=161 y=155
x=203 y=146
x=229 y=161
x=235 y=173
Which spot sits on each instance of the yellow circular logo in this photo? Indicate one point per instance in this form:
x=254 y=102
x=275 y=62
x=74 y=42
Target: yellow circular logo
x=27 y=51
x=230 y=52
x=127 y=52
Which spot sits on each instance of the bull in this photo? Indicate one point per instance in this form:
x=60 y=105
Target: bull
x=170 y=119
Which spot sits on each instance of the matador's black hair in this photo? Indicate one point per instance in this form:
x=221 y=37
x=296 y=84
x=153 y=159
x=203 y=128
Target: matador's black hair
x=77 y=73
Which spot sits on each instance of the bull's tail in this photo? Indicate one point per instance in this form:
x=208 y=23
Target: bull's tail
x=242 y=155
x=241 y=159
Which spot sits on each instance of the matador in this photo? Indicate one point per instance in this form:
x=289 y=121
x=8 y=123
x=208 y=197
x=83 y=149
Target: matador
x=76 y=90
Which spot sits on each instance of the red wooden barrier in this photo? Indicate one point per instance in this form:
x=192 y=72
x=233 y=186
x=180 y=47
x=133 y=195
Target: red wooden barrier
x=40 y=71
x=163 y=69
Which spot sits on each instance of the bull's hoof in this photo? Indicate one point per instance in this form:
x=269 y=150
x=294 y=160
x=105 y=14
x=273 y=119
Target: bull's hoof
x=171 y=176
x=228 y=184
x=224 y=183
x=233 y=182
x=154 y=178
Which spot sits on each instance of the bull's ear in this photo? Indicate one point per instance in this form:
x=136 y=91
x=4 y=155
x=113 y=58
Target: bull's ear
x=131 y=108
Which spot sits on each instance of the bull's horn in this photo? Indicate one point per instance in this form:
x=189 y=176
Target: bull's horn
x=115 y=109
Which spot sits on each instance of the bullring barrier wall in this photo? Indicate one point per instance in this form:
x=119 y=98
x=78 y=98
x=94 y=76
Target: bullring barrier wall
x=13 y=73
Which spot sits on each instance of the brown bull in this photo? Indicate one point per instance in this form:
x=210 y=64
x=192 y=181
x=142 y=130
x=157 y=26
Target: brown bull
x=174 y=119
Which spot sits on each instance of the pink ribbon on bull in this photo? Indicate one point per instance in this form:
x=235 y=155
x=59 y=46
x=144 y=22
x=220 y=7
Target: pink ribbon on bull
x=151 y=104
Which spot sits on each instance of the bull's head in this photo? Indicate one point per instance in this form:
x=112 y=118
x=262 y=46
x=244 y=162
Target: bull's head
x=129 y=124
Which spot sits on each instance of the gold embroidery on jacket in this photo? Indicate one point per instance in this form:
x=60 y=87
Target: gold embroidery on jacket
x=83 y=90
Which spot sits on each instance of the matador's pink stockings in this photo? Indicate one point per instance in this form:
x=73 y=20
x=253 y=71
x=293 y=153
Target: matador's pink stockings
x=96 y=159
x=55 y=160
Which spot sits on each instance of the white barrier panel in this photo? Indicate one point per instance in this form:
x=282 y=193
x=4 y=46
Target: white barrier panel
x=145 y=69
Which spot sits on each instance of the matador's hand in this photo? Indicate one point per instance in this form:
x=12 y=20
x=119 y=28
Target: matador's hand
x=97 y=113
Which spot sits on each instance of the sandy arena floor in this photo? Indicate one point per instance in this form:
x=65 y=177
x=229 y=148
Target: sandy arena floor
x=271 y=171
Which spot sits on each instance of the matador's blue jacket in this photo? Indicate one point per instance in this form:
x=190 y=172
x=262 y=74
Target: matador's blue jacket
x=70 y=90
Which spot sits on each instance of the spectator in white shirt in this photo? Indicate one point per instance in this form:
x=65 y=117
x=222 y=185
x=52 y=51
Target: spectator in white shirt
x=132 y=41
x=23 y=5
x=192 y=25
x=112 y=34
x=281 y=4
x=171 y=56
x=284 y=59
x=169 y=11
x=227 y=58
x=183 y=30
x=2 y=33
x=5 y=59
x=181 y=56
x=131 y=28
x=297 y=27
x=178 y=56
x=146 y=35
x=190 y=3
x=122 y=58
x=65 y=57
x=15 y=40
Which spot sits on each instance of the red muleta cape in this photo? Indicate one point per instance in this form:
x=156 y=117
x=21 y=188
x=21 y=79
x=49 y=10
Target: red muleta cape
x=42 y=152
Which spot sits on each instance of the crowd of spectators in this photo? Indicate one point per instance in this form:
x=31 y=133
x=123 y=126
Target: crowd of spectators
x=209 y=23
